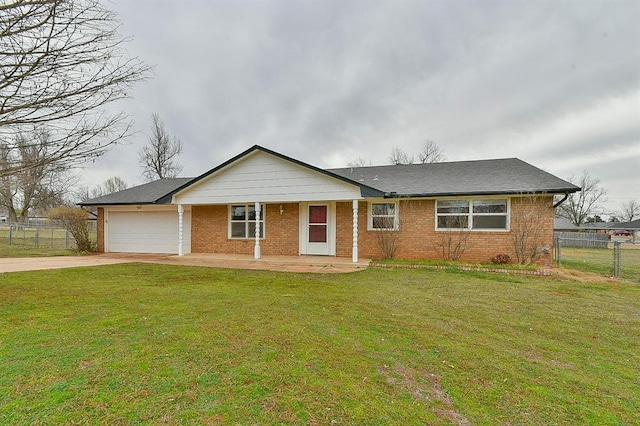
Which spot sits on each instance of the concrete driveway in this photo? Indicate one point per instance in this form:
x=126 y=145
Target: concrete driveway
x=19 y=264
x=316 y=264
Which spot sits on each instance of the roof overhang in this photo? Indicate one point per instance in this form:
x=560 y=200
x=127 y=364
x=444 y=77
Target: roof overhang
x=482 y=193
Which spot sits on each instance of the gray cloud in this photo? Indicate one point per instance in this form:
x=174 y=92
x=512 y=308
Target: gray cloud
x=326 y=82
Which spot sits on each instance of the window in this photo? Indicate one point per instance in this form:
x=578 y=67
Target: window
x=383 y=216
x=242 y=221
x=453 y=214
x=486 y=214
x=489 y=214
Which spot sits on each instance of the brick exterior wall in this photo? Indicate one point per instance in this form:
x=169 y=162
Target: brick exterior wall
x=210 y=224
x=100 y=230
x=417 y=237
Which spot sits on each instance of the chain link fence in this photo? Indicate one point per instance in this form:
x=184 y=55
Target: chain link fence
x=614 y=258
x=36 y=235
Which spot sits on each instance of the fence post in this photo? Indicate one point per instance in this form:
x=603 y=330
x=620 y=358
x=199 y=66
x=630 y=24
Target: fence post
x=37 y=242
x=10 y=234
x=66 y=239
x=558 y=255
x=616 y=259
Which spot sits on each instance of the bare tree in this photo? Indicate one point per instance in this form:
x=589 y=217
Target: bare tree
x=159 y=156
x=527 y=228
x=109 y=186
x=451 y=244
x=430 y=152
x=62 y=65
x=398 y=156
x=630 y=210
x=584 y=203
x=114 y=184
x=34 y=185
x=360 y=162
x=81 y=194
x=76 y=221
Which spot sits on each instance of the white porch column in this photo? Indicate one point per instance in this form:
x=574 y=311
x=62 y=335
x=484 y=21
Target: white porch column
x=256 y=248
x=180 y=229
x=354 y=257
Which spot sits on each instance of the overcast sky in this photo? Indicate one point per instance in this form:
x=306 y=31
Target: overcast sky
x=554 y=83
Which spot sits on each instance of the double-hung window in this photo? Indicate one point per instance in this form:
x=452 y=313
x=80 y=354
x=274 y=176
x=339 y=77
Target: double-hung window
x=489 y=214
x=474 y=214
x=383 y=216
x=453 y=214
x=242 y=221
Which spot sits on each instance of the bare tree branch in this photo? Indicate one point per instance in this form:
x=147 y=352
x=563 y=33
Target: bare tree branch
x=398 y=156
x=360 y=162
x=109 y=186
x=62 y=64
x=528 y=228
x=630 y=210
x=38 y=185
x=430 y=152
x=584 y=203
x=159 y=156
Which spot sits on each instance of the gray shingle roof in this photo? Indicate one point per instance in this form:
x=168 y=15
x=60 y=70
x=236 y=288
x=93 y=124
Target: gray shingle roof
x=564 y=224
x=148 y=193
x=628 y=226
x=482 y=177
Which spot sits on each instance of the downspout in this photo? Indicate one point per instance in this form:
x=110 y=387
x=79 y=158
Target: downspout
x=566 y=195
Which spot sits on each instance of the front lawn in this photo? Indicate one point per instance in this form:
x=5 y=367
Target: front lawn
x=19 y=250
x=159 y=344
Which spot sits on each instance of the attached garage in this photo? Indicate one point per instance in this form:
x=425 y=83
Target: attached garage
x=145 y=231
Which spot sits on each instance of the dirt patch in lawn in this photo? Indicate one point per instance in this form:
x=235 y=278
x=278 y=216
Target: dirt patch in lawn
x=581 y=276
x=425 y=387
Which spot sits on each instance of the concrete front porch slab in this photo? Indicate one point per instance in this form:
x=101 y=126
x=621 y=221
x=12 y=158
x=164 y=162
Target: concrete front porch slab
x=315 y=264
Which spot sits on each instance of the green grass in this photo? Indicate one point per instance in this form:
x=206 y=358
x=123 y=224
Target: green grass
x=159 y=344
x=600 y=261
x=19 y=250
x=29 y=241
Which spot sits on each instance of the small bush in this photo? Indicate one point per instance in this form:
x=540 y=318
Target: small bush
x=501 y=259
x=75 y=221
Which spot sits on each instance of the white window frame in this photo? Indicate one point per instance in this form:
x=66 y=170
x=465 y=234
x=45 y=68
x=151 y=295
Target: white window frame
x=470 y=215
x=396 y=217
x=246 y=221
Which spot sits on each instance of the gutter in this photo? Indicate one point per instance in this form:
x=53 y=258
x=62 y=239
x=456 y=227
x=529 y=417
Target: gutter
x=478 y=194
x=566 y=195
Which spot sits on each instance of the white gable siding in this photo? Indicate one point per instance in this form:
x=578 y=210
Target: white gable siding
x=266 y=178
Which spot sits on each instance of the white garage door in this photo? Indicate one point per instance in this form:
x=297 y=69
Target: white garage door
x=145 y=231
